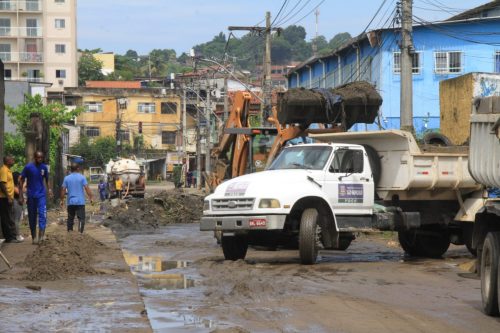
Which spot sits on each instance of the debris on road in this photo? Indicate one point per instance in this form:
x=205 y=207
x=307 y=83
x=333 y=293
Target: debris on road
x=62 y=256
x=145 y=215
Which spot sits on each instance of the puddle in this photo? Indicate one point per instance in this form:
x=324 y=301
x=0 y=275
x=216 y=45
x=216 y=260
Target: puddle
x=163 y=321
x=166 y=282
x=150 y=264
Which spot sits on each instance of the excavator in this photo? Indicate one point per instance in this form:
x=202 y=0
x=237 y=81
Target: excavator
x=244 y=149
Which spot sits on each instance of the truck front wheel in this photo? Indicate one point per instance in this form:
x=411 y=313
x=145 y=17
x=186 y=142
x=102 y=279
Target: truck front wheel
x=308 y=237
x=234 y=247
x=430 y=244
x=490 y=279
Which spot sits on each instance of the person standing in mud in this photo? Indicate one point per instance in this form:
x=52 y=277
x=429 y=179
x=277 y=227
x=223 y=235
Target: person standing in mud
x=7 y=200
x=74 y=186
x=17 y=211
x=36 y=174
x=118 y=187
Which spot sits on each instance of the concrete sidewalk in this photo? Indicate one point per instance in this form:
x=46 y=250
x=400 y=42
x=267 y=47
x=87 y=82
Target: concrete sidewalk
x=106 y=302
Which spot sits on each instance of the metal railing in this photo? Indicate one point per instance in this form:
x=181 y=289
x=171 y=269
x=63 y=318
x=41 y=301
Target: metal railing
x=7 y=32
x=30 y=57
x=23 y=5
x=21 y=57
x=20 y=32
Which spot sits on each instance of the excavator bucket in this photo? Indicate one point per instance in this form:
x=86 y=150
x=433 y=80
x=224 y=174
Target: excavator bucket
x=356 y=102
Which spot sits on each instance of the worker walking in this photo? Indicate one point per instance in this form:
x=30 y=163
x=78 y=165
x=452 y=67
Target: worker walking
x=36 y=175
x=7 y=200
x=75 y=184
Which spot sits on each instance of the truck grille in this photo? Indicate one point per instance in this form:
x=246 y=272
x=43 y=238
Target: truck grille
x=233 y=204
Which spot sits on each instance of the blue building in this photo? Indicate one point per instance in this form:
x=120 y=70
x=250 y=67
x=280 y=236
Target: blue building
x=468 y=42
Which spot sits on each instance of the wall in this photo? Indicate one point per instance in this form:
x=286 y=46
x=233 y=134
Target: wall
x=152 y=124
x=456 y=97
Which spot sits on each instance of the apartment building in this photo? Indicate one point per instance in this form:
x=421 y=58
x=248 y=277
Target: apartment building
x=38 y=42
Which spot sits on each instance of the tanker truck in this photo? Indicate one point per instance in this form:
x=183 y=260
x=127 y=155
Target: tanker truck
x=131 y=174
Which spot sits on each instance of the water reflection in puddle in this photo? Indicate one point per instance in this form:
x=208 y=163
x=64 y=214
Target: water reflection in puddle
x=151 y=271
x=156 y=278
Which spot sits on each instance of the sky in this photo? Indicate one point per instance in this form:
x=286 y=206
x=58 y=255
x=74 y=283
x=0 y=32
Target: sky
x=144 y=25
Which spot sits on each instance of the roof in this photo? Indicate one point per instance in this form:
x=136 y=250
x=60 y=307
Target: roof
x=471 y=13
x=365 y=35
x=113 y=84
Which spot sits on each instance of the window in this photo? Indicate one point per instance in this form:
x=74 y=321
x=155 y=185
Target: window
x=92 y=131
x=448 y=62
x=347 y=161
x=5 y=5
x=168 y=108
x=497 y=62
x=124 y=135
x=5 y=54
x=59 y=1
x=31 y=27
x=168 y=138
x=60 y=23
x=93 y=107
x=415 y=63
x=60 y=73
x=60 y=48
x=4 y=27
x=146 y=107
x=7 y=73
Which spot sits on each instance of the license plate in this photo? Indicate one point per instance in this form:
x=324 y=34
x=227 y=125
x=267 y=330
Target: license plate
x=257 y=223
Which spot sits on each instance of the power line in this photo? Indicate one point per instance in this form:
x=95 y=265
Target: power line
x=279 y=12
x=295 y=14
x=309 y=13
x=288 y=14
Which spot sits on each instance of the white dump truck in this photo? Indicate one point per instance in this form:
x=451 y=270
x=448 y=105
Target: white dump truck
x=131 y=174
x=321 y=194
x=484 y=166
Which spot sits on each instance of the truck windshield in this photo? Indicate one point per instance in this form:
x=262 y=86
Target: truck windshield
x=302 y=157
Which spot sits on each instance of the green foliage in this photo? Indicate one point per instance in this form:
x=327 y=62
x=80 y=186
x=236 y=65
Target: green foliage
x=98 y=152
x=339 y=39
x=89 y=69
x=14 y=146
x=53 y=114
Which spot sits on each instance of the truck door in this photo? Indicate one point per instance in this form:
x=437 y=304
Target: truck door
x=349 y=182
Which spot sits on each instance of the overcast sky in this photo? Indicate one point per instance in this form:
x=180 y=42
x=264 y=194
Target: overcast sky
x=143 y=25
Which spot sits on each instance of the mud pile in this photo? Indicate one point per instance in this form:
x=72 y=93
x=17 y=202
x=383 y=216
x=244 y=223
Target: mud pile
x=148 y=214
x=62 y=256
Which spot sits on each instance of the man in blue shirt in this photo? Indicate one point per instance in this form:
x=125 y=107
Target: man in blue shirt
x=75 y=184
x=37 y=176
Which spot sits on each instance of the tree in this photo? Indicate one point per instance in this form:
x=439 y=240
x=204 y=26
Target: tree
x=339 y=39
x=131 y=54
x=54 y=115
x=98 y=152
x=14 y=146
x=89 y=69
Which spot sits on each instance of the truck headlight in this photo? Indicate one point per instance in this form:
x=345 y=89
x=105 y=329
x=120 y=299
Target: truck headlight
x=206 y=205
x=269 y=203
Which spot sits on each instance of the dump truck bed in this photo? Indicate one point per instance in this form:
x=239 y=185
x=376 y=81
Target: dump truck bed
x=406 y=167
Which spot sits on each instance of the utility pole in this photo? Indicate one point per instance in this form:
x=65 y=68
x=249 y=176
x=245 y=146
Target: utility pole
x=406 y=120
x=208 y=109
x=118 y=129
x=266 y=108
x=2 y=111
x=184 y=126
x=267 y=89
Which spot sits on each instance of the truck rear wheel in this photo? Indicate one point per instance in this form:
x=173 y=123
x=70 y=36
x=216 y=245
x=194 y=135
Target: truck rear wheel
x=430 y=245
x=490 y=279
x=234 y=247
x=308 y=238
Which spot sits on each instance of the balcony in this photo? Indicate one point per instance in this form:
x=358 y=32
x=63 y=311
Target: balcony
x=8 y=32
x=30 y=6
x=8 y=6
x=21 y=5
x=30 y=32
x=30 y=57
x=26 y=57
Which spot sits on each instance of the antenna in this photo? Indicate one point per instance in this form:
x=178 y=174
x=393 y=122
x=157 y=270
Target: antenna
x=317 y=19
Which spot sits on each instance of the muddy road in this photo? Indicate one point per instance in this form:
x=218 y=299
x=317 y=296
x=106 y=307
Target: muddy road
x=188 y=287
